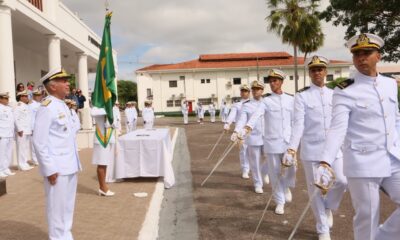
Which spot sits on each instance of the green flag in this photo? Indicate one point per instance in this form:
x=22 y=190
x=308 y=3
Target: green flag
x=105 y=94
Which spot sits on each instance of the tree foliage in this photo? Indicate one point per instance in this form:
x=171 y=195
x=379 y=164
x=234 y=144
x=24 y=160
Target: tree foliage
x=381 y=17
x=127 y=91
x=297 y=23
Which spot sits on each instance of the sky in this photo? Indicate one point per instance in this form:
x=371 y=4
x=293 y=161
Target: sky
x=146 y=32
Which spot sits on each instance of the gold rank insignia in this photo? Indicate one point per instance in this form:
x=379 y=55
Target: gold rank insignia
x=45 y=102
x=61 y=116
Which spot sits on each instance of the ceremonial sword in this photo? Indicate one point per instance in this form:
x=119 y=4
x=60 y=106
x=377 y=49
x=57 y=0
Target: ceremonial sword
x=215 y=145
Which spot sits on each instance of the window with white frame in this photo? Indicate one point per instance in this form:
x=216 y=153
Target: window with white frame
x=173 y=84
x=208 y=80
x=170 y=103
x=202 y=81
x=237 y=81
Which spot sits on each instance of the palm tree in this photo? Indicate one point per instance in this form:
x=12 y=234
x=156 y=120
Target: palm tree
x=287 y=19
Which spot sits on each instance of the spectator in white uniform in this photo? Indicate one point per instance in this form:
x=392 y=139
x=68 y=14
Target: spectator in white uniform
x=55 y=144
x=200 y=112
x=233 y=117
x=129 y=117
x=185 y=112
x=37 y=96
x=254 y=141
x=366 y=124
x=148 y=115
x=312 y=119
x=103 y=149
x=7 y=124
x=117 y=118
x=211 y=111
x=23 y=122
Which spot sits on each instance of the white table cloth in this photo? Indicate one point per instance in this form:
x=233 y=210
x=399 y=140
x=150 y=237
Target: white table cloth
x=145 y=153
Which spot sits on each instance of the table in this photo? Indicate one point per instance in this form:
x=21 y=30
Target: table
x=145 y=153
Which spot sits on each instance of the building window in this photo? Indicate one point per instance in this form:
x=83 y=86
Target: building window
x=329 y=77
x=148 y=92
x=237 y=81
x=170 y=103
x=173 y=84
x=266 y=80
x=202 y=81
x=205 y=101
x=177 y=103
x=208 y=80
x=291 y=77
x=181 y=77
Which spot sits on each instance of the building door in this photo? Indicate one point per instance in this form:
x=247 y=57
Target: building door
x=190 y=107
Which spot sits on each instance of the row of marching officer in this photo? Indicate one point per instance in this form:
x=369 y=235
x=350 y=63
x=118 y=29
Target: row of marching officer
x=359 y=117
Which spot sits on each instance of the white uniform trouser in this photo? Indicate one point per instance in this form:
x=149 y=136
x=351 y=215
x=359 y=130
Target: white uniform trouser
x=254 y=155
x=23 y=146
x=185 y=118
x=366 y=203
x=33 y=151
x=244 y=161
x=134 y=124
x=6 y=148
x=148 y=125
x=128 y=127
x=332 y=199
x=280 y=182
x=60 y=203
x=212 y=117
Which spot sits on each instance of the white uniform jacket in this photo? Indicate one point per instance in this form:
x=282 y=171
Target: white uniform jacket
x=33 y=106
x=312 y=119
x=256 y=136
x=23 y=118
x=277 y=110
x=54 y=139
x=102 y=124
x=148 y=114
x=366 y=117
x=7 y=122
x=117 y=118
x=185 y=109
x=235 y=112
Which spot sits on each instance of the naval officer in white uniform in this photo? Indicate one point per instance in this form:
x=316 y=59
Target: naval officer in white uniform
x=277 y=112
x=366 y=116
x=54 y=141
x=185 y=112
x=254 y=141
x=312 y=118
x=23 y=123
x=233 y=117
x=37 y=96
x=6 y=135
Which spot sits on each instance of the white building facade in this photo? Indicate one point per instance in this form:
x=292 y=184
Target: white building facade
x=40 y=35
x=217 y=77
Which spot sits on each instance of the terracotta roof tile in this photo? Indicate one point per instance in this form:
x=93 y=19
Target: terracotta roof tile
x=234 y=60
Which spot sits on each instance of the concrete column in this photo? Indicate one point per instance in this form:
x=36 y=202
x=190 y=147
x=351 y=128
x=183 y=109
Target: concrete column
x=7 y=77
x=54 y=52
x=86 y=120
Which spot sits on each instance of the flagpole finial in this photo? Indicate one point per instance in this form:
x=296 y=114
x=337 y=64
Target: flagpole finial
x=107 y=5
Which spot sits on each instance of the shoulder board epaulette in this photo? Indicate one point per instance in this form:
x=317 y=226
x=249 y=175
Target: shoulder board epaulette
x=344 y=84
x=267 y=95
x=303 y=89
x=45 y=102
x=289 y=94
x=386 y=75
x=246 y=101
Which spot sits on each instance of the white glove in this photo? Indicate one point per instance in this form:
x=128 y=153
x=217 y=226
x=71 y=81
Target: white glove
x=226 y=126
x=242 y=134
x=324 y=175
x=288 y=159
x=234 y=137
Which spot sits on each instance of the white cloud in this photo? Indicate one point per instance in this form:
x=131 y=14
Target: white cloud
x=165 y=31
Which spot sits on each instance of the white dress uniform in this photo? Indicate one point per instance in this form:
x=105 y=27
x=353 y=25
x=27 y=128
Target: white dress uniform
x=55 y=144
x=135 y=117
x=102 y=155
x=211 y=110
x=148 y=117
x=366 y=117
x=185 y=112
x=33 y=107
x=277 y=111
x=6 y=138
x=312 y=118
x=129 y=119
x=223 y=109
x=75 y=120
x=234 y=116
x=254 y=141
x=117 y=119
x=23 y=122
x=200 y=111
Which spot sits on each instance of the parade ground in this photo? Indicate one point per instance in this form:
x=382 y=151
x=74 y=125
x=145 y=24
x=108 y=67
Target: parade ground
x=226 y=207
